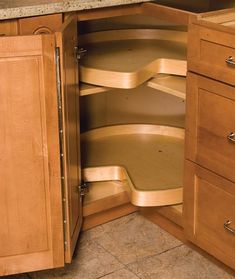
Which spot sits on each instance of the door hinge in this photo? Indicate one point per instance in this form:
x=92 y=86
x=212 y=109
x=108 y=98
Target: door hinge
x=83 y=189
x=61 y=142
x=80 y=52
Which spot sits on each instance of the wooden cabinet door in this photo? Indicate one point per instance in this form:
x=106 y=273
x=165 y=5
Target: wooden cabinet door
x=31 y=231
x=210 y=125
x=209 y=212
x=70 y=131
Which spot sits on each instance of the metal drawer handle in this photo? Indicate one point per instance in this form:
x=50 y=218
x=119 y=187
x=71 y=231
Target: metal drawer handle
x=231 y=137
x=230 y=61
x=226 y=226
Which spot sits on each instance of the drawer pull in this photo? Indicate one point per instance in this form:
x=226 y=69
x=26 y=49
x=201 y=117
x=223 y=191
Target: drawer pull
x=231 y=137
x=227 y=227
x=230 y=61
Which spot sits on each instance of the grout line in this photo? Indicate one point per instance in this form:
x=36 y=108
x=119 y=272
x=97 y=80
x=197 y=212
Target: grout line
x=123 y=265
x=127 y=265
x=109 y=252
x=157 y=254
x=180 y=245
x=109 y=273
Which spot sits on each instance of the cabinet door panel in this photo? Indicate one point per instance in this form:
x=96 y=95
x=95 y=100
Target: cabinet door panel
x=31 y=234
x=67 y=43
x=209 y=202
x=210 y=120
x=208 y=50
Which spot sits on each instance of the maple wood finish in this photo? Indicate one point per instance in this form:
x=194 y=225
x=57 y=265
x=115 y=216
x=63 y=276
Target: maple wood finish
x=8 y=28
x=209 y=192
x=29 y=109
x=31 y=235
x=209 y=202
x=40 y=203
x=123 y=70
x=169 y=84
x=143 y=169
x=176 y=16
x=208 y=50
x=109 y=12
x=67 y=43
x=40 y=24
x=210 y=107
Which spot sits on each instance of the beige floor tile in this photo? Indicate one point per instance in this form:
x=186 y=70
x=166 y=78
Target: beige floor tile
x=178 y=263
x=121 y=274
x=132 y=237
x=91 y=262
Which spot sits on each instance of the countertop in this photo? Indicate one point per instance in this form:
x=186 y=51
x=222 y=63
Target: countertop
x=25 y=8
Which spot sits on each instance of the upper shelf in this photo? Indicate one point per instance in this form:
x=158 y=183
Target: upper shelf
x=128 y=58
x=169 y=84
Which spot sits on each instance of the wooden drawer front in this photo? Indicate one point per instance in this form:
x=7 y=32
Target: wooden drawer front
x=207 y=53
x=209 y=202
x=8 y=27
x=211 y=118
x=40 y=24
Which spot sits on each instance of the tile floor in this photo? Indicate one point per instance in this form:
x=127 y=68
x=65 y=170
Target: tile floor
x=131 y=248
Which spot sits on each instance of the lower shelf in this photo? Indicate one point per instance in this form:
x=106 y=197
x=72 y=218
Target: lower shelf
x=174 y=85
x=104 y=195
x=147 y=159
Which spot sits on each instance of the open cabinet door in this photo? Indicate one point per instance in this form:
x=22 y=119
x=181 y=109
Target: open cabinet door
x=31 y=231
x=67 y=73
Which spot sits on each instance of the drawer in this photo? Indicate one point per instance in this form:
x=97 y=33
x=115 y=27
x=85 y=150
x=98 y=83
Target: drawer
x=40 y=24
x=212 y=53
x=209 y=212
x=8 y=27
x=210 y=124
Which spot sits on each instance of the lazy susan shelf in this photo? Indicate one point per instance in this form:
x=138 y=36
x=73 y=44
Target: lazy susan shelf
x=128 y=58
x=88 y=89
x=148 y=158
x=174 y=85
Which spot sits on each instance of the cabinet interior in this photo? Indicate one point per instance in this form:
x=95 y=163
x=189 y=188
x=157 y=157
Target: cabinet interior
x=158 y=102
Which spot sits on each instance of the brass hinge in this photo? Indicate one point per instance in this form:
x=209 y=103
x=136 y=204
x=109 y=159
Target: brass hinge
x=83 y=189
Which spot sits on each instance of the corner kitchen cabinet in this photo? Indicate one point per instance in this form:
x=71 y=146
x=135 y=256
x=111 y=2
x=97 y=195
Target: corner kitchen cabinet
x=43 y=105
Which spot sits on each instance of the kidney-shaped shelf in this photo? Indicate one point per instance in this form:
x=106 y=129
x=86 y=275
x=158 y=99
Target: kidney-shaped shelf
x=148 y=157
x=127 y=58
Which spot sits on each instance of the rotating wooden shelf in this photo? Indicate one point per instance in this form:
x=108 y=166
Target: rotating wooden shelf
x=128 y=58
x=170 y=84
x=148 y=159
x=88 y=89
